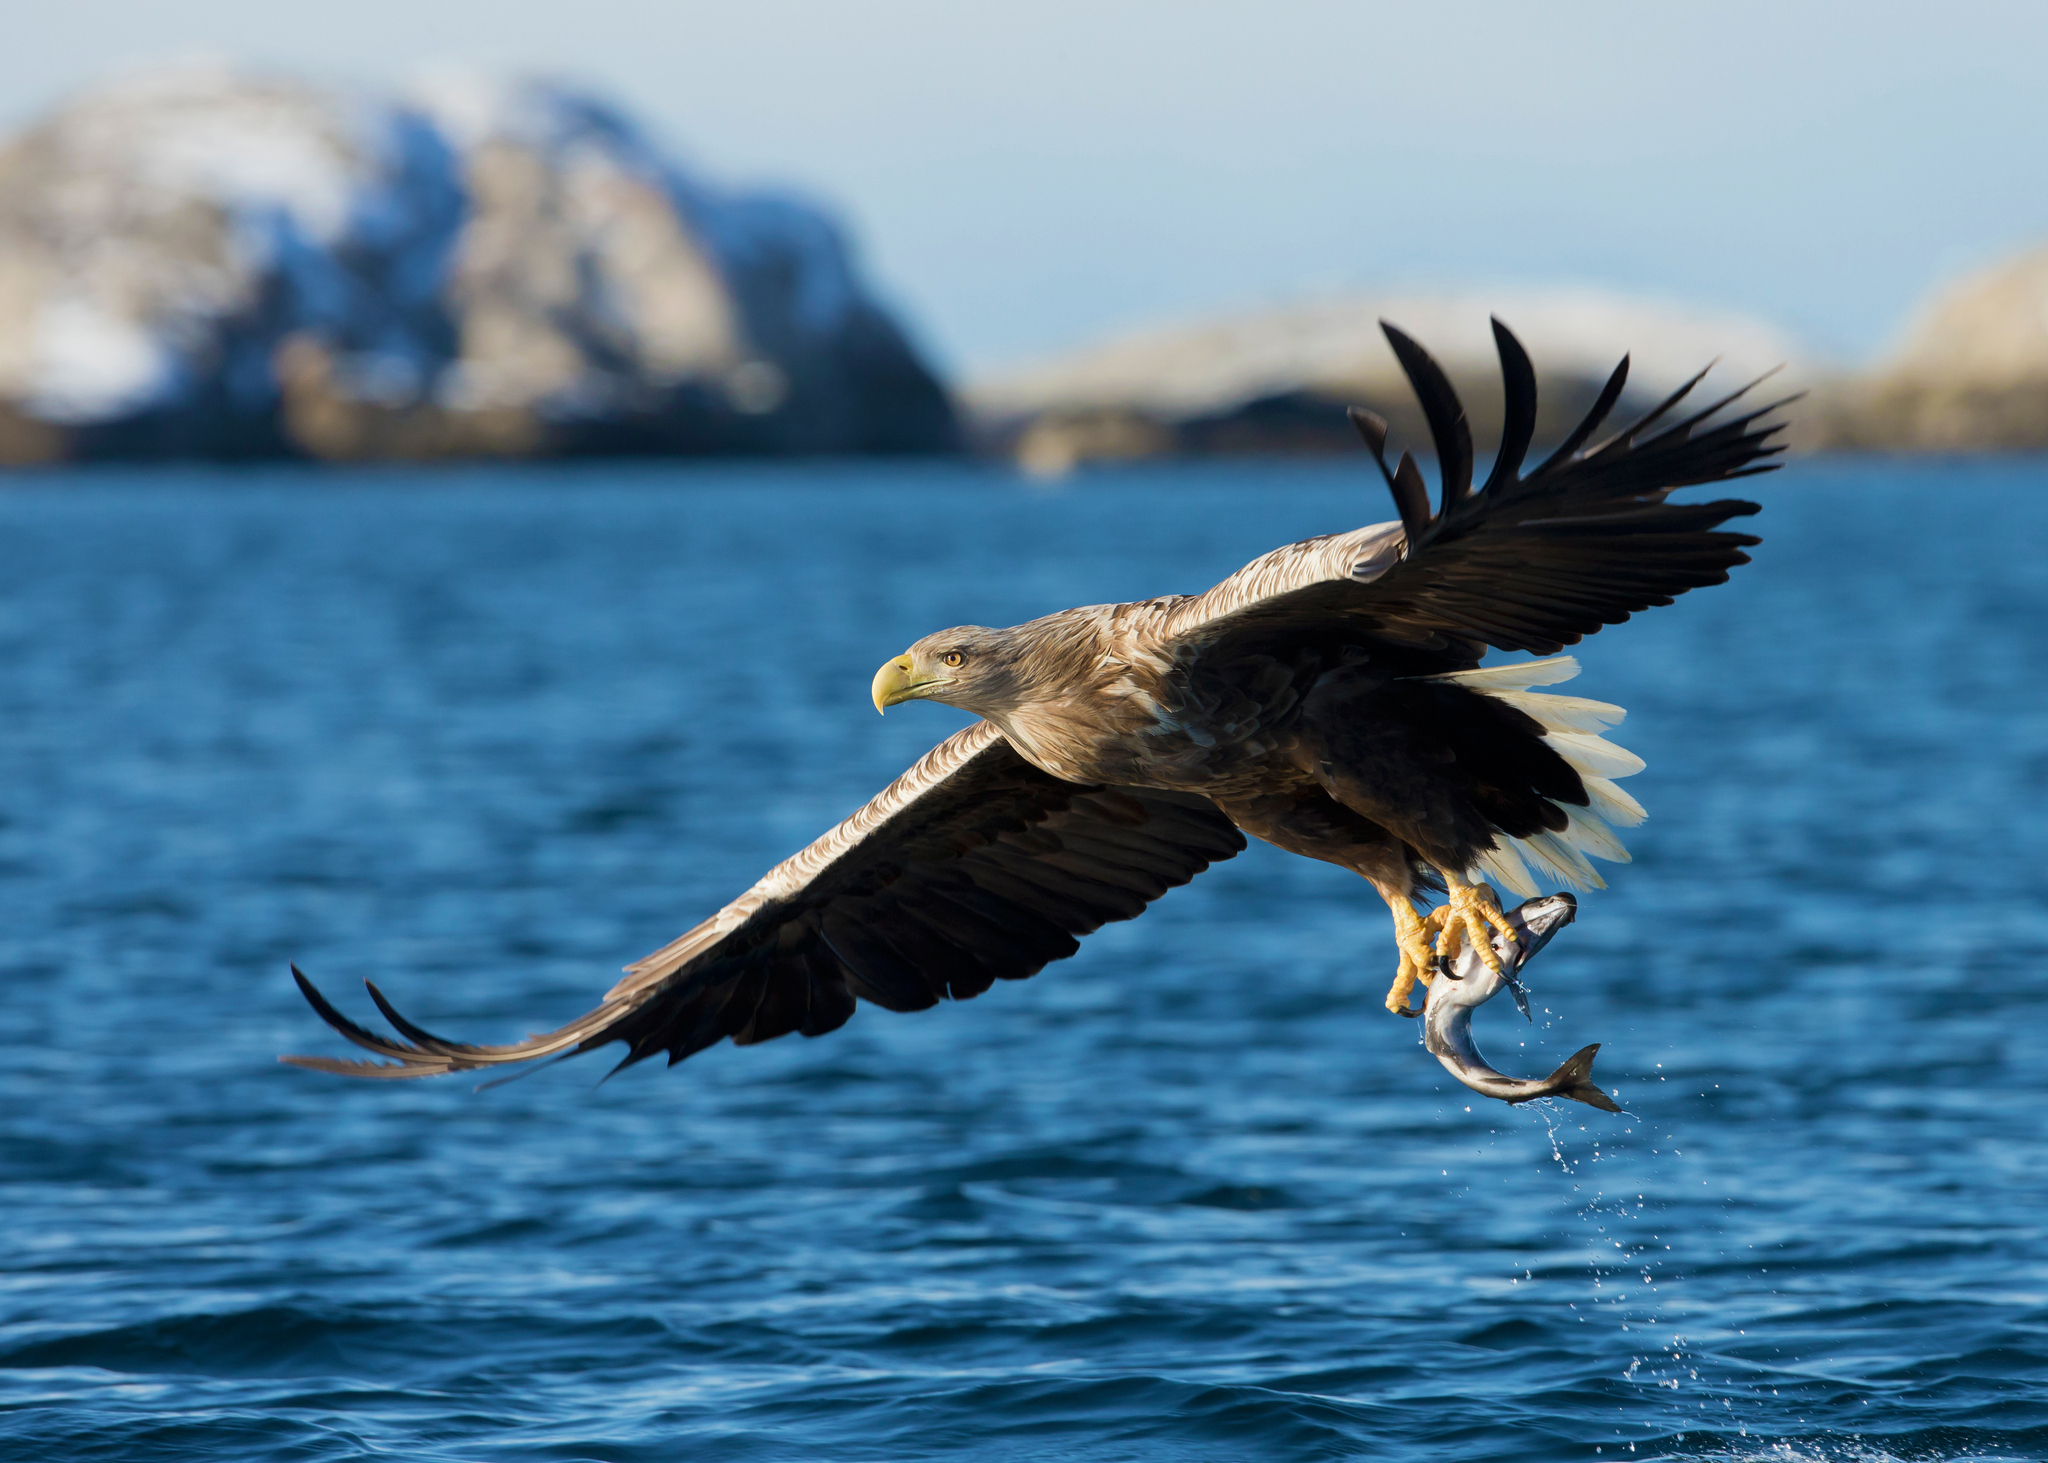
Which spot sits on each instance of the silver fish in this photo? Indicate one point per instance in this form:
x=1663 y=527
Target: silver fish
x=1467 y=983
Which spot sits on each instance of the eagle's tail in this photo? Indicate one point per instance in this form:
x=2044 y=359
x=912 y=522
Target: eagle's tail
x=1572 y=728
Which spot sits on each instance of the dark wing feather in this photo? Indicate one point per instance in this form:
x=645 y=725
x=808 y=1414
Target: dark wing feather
x=1617 y=382
x=1411 y=498
x=973 y=866
x=1444 y=412
x=1518 y=414
x=1531 y=562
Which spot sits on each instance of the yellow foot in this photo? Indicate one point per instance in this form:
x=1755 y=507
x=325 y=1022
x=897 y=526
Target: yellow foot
x=1473 y=913
x=1418 y=961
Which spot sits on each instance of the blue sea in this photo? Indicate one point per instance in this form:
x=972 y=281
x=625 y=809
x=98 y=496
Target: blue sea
x=485 y=736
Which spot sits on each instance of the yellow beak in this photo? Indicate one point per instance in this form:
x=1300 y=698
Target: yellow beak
x=893 y=684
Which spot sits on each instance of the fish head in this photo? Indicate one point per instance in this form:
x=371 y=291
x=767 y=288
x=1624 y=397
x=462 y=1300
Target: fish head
x=1472 y=982
x=1539 y=919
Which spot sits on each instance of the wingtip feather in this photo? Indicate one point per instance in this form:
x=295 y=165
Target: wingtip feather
x=1518 y=408
x=1448 y=428
x=425 y=1039
x=1411 y=499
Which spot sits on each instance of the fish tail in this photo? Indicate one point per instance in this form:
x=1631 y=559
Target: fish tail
x=1575 y=1080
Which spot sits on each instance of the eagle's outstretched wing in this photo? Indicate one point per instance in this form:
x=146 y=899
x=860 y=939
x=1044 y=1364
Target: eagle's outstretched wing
x=1531 y=562
x=971 y=867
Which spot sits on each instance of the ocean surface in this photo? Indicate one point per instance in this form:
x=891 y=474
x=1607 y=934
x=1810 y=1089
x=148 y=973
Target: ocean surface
x=486 y=736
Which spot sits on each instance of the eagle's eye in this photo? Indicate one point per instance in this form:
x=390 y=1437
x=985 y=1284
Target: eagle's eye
x=954 y=658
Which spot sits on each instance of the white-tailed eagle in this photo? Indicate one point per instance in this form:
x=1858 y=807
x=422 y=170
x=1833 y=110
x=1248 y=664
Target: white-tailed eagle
x=1327 y=698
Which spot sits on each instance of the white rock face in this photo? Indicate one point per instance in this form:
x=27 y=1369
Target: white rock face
x=1990 y=329
x=202 y=261
x=1970 y=376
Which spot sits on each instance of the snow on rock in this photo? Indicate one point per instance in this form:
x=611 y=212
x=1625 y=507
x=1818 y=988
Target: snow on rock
x=202 y=261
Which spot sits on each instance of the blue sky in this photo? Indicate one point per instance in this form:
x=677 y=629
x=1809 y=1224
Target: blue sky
x=1023 y=177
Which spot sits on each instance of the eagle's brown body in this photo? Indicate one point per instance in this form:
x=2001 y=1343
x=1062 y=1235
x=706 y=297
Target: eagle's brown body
x=1327 y=698
x=1323 y=749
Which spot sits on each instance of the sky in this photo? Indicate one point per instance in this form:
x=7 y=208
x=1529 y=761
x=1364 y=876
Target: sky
x=1021 y=178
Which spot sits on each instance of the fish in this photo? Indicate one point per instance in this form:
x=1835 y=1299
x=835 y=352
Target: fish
x=1467 y=982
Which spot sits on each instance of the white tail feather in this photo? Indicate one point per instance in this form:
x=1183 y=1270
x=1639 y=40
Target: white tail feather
x=1502 y=864
x=1563 y=713
x=1556 y=857
x=1571 y=727
x=1518 y=677
x=1589 y=835
x=1611 y=803
x=1594 y=756
x=1541 y=862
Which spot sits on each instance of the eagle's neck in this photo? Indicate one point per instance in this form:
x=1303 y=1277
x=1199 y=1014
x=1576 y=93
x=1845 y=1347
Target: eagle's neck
x=1075 y=697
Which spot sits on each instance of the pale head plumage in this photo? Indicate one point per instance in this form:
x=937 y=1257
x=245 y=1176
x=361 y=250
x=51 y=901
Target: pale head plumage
x=993 y=673
x=973 y=667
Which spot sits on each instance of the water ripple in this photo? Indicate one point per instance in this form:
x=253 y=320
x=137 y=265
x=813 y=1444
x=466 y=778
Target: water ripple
x=485 y=736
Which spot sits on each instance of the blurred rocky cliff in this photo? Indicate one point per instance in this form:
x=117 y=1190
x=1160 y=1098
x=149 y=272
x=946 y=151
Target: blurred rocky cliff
x=1971 y=374
x=1279 y=380
x=204 y=263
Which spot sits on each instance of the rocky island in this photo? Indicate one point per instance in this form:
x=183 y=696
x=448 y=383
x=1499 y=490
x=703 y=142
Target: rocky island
x=1971 y=374
x=209 y=263
x=1278 y=380
x=205 y=263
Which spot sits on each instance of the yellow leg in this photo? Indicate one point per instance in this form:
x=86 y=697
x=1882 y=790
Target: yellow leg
x=1472 y=912
x=1433 y=928
x=1418 y=961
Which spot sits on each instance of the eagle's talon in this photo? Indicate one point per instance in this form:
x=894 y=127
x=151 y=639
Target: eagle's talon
x=1450 y=935
x=1405 y=981
x=1473 y=913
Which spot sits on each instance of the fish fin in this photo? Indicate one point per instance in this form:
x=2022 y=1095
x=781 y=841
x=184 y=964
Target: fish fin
x=1521 y=994
x=1574 y=1079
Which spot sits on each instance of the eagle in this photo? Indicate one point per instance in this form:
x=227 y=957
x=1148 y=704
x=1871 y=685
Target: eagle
x=1329 y=698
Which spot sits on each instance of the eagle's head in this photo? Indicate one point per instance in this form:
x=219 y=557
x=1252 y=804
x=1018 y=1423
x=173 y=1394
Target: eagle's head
x=969 y=666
